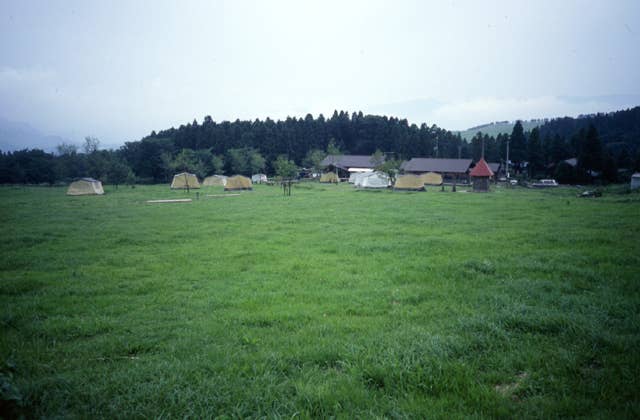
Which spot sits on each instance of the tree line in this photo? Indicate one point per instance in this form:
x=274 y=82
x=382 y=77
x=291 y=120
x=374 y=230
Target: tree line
x=601 y=143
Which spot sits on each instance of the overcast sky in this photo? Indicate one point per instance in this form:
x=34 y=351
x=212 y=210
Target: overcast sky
x=119 y=69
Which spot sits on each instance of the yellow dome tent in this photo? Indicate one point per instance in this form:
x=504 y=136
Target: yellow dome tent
x=85 y=186
x=329 y=177
x=409 y=183
x=185 y=181
x=431 y=178
x=238 y=182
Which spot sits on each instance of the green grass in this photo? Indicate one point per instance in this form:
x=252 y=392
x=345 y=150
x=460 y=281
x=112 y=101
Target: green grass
x=331 y=302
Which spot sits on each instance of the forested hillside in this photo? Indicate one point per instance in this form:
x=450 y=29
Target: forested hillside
x=620 y=129
x=603 y=143
x=498 y=127
x=293 y=138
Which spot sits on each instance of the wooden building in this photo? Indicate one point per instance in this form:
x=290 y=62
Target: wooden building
x=450 y=169
x=345 y=165
x=481 y=176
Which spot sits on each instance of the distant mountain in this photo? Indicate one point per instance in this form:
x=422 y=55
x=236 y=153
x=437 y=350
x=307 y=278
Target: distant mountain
x=498 y=127
x=16 y=135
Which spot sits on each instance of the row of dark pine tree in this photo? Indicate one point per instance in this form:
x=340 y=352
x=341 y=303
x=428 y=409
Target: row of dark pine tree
x=602 y=143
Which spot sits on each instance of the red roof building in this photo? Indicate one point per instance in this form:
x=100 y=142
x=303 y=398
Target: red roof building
x=481 y=169
x=481 y=174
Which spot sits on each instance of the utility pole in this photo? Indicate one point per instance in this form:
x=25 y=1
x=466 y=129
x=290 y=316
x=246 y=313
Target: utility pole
x=507 y=162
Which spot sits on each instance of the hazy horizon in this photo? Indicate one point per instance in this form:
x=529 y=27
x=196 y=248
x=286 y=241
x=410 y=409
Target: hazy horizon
x=119 y=70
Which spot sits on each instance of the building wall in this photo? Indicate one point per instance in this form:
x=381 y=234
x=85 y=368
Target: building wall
x=481 y=184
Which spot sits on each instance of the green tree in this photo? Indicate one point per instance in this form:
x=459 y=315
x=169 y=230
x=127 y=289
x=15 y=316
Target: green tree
x=98 y=163
x=391 y=167
x=590 y=157
x=558 y=149
x=636 y=161
x=257 y=162
x=245 y=161
x=66 y=149
x=188 y=161
x=565 y=173
x=237 y=161
x=332 y=149
x=118 y=172
x=166 y=165
x=377 y=158
x=609 y=168
x=285 y=168
x=91 y=145
x=535 y=154
x=217 y=163
x=517 y=146
x=69 y=164
x=314 y=159
x=476 y=146
x=131 y=178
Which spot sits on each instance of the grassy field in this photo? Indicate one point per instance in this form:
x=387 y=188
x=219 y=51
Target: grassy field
x=331 y=302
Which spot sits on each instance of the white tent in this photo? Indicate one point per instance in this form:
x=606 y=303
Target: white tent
x=355 y=177
x=258 y=178
x=355 y=172
x=635 y=181
x=373 y=180
x=213 y=180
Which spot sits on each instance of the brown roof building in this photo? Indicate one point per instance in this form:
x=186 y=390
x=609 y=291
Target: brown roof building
x=495 y=167
x=344 y=164
x=441 y=166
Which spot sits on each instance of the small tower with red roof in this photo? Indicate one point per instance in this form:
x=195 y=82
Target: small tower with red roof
x=481 y=175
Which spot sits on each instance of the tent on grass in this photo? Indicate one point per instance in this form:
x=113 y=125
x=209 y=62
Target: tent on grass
x=85 y=186
x=184 y=181
x=431 y=178
x=374 y=180
x=258 y=178
x=238 y=182
x=635 y=181
x=356 y=177
x=329 y=177
x=215 y=180
x=409 y=183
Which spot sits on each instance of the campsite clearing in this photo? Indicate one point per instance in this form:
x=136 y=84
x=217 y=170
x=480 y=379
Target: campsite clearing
x=329 y=302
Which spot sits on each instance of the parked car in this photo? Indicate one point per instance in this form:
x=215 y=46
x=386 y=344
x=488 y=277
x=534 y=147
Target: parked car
x=544 y=183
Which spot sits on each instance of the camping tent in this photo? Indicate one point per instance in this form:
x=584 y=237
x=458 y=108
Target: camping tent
x=356 y=177
x=184 y=180
x=329 y=177
x=238 y=182
x=85 y=186
x=431 y=178
x=215 y=180
x=258 y=178
x=354 y=173
x=409 y=182
x=374 y=180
